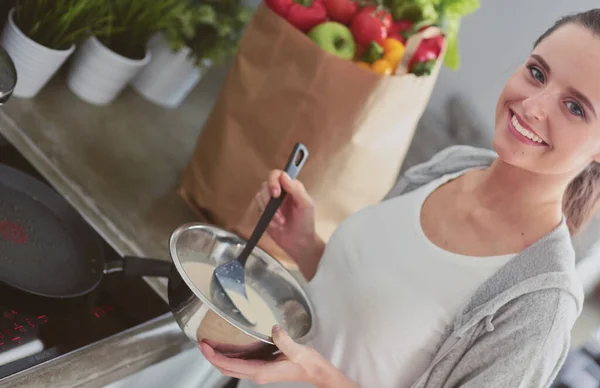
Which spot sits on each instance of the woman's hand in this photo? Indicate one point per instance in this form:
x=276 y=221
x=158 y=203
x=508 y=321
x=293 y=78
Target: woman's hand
x=293 y=226
x=297 y=363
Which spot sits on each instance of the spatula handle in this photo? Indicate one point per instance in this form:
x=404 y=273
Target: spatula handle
x=296 y=161
x=292 y=168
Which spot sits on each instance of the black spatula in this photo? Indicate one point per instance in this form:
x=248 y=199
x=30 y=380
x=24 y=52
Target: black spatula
x=231 y=276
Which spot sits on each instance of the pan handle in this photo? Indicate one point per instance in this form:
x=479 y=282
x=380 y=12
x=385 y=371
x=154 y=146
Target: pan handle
x=141 y=266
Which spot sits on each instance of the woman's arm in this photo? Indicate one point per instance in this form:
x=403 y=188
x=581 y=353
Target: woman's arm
x=525 y=346
x=308 y=256
x=293 y=226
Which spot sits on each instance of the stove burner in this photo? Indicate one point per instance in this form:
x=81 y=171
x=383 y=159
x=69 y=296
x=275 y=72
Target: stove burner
x=13 y=232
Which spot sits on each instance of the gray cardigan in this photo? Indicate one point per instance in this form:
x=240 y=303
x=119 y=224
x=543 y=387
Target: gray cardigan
x=516 y=329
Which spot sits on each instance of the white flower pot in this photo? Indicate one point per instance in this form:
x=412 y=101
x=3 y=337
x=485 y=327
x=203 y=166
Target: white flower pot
x=98 y=74
x=169 y=76
x=35 y=63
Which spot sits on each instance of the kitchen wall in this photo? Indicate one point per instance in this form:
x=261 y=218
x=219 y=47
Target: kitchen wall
x=494 y=41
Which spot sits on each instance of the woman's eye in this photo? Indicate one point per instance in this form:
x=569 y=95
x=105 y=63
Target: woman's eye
x=536 y=73
x=575 y=108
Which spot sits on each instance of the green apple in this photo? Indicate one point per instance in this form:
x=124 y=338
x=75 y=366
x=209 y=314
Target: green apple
x=334 y=38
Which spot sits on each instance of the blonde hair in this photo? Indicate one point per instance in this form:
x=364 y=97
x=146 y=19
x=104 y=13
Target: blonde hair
x=582 y=197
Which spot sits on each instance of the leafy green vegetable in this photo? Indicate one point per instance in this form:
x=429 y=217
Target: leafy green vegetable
x=459 y=8
x=452 y=57
x=451 y=12
x=430 y=9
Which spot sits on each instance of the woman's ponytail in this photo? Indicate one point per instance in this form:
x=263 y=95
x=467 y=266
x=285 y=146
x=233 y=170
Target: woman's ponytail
x=582 y=197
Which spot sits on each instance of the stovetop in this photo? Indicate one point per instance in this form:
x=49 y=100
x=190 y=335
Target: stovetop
x=34 y=333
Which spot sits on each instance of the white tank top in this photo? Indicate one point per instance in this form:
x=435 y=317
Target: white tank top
x=384 y=294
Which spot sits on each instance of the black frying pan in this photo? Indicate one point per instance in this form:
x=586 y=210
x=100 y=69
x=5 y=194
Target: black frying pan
x=47 y=249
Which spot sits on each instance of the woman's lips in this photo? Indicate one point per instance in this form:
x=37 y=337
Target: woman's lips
x=522 y=133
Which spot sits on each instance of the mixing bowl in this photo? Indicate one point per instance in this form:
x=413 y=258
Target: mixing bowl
x=205 y=315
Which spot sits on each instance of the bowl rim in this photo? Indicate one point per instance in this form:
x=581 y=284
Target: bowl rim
x=217 y=230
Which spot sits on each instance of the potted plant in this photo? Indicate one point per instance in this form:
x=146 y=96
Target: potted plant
x=40 y=35
x=105 y=64
x=205 y=34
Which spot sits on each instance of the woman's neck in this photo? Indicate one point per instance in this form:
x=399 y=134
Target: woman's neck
x=513 y=193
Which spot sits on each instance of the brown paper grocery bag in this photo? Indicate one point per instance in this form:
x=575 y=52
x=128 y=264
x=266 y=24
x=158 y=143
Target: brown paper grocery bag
x=364 y=169
x=281 y=89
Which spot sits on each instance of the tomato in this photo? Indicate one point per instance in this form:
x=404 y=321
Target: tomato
x=369 y=25
x=341 y=11
x=382 y=14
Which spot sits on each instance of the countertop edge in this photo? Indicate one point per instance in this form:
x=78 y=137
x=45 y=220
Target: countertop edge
x=136 y=348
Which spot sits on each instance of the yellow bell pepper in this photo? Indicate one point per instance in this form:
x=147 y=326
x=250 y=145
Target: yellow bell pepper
x=383 y=59
x=393 y=50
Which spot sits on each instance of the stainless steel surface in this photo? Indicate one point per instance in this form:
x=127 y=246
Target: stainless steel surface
x=108 y=360
x=203 y=315
x=119 y=166
x=188 y=369
x=8 y=76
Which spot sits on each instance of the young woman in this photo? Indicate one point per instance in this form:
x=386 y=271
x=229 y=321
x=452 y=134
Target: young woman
x=464 y=276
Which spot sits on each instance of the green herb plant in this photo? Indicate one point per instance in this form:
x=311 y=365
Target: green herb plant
x=133 y=22
x=58 y=24
x=212 y=29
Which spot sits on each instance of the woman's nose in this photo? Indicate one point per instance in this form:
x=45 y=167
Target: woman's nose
x=536 y=107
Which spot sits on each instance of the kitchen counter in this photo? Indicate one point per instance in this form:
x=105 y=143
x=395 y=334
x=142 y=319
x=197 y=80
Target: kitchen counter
x=119 y=166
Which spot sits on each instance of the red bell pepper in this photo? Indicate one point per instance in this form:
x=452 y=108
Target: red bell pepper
x=423 y=60
x=302 y=14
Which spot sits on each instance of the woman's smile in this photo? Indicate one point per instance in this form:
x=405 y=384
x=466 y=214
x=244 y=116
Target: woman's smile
x=523 y=132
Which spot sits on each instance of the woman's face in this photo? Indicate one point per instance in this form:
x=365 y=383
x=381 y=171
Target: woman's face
x=548 y=115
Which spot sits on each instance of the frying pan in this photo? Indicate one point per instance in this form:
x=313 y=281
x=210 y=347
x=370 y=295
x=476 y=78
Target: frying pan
x=46 y=247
